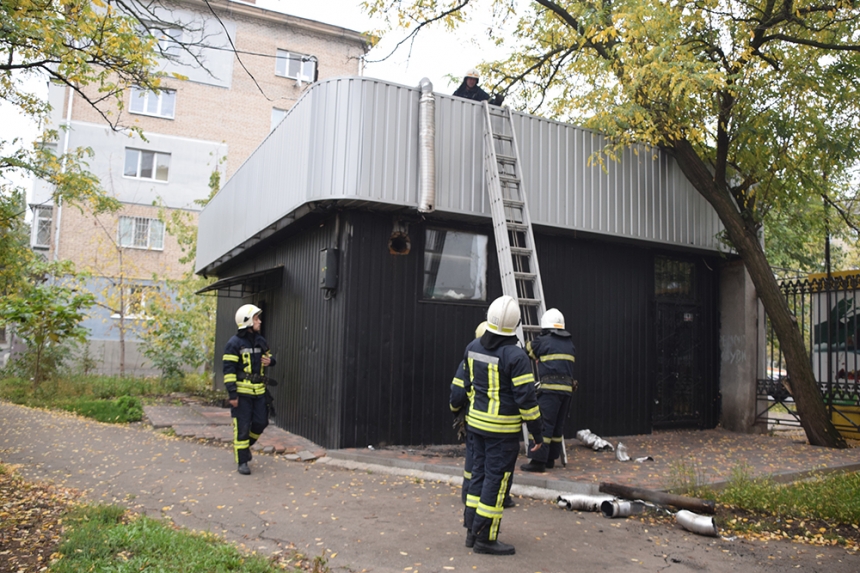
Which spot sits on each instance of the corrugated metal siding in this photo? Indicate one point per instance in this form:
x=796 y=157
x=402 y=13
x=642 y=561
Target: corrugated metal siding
x=604 y=292
x=304 y=332
x=374 y=364
x=355 y=140
x=400 y=353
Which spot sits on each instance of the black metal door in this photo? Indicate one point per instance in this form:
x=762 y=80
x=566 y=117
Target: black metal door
x=678 y=397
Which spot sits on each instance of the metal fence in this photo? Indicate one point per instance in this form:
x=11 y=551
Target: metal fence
x=828 y=315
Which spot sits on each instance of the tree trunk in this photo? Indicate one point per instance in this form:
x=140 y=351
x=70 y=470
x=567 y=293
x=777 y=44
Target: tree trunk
x=810 y=407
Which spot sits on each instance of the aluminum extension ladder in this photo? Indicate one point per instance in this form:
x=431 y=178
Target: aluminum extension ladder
x=515 y=244
x=512 y=227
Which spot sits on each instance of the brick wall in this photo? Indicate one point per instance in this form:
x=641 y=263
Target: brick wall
x=91 y=241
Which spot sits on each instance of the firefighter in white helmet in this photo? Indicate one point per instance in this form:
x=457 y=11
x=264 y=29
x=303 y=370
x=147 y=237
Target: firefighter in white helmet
x=499 y=386
x=469 y=89
x=246 y=357
x=458 y=396
x=556 y=357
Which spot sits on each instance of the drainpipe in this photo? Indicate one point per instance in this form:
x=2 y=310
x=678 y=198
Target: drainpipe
x=426 y=148
x=59 y=201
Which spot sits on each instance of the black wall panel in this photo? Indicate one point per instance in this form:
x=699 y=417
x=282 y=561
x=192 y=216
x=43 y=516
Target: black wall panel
x=373 y=364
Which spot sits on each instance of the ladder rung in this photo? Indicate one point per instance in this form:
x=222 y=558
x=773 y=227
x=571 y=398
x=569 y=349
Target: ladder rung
x=521 y=251
x=503 y=137
x=522 y=227
x=531 y=328
x=506 y=159
x=498 y=113
x=509 y=179
x=513 y=203
x=525 y=276
x=529 y=302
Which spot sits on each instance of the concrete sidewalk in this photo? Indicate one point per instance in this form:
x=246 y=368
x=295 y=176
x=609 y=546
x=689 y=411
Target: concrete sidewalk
x=709 y=456
x=357 y=519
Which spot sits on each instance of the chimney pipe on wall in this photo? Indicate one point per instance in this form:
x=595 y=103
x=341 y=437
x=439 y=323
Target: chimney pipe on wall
x=426 y=148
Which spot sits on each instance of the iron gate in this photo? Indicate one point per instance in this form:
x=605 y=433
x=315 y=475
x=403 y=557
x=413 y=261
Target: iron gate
x=828 y=314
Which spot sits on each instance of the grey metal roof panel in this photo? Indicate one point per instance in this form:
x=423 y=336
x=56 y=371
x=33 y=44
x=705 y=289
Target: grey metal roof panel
x=355 y=140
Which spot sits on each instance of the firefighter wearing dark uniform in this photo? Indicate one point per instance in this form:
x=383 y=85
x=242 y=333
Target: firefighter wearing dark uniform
x=469 y=89
x=457 y=388
x=499 y=386
x=246 y=357
x=556 y=356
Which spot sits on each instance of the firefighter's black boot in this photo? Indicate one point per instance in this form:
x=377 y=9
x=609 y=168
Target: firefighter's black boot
x=244 y=469
x=533 y=466
x=509 y=502
x=470 y=538
x=550 y=464
x=493 y=548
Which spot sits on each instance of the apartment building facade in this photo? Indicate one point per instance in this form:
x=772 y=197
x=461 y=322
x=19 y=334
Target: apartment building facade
x=256 y=63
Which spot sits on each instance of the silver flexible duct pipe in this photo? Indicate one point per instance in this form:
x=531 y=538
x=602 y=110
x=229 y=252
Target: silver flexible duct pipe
x=426 y=148
x=701 y=524
x=582 y=501
x=620 y=508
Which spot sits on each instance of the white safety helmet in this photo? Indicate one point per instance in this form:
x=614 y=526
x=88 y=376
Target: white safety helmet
x=472 y=73
x=553 y=318
x=503 y=316
x=245 y=315
x=482 y=328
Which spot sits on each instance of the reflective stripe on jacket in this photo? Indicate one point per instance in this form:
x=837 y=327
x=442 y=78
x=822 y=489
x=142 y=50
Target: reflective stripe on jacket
x=243 y=355
x=500 y=389
x=556 y=356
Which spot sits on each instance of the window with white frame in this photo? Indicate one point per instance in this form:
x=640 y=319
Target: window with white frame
x=169 y=38
x=297 y=66
x=142 y=164
x=455 y=266
x=134 y=300
x=42 y=227
x=160 y=104
x=141 y=233
x=277 y=116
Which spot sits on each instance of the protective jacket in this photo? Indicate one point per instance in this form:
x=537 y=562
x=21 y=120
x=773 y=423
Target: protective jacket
x=476 y=93
x=556 y=356
x=243 y=367
x=499 y=386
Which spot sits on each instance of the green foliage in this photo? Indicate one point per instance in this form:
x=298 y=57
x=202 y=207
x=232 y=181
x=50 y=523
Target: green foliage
x=45 y=315
x=833 y=497
x=105 y=538
x=120 y=411
x=180 y=335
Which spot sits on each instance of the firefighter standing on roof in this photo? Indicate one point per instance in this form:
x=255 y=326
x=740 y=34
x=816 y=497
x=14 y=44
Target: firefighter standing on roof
x=556 y=355
x=246 y=357
x=499 y=385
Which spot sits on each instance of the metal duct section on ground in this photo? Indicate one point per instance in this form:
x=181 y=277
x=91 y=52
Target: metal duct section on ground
x=701 y=524
x=426 y=148
x=582 y=501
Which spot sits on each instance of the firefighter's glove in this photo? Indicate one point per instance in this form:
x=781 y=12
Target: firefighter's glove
x=574 y=386
x=460 y=424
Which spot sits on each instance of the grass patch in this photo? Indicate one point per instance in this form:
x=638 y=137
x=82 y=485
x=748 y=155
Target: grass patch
x=106 y=538
x=120 y=411
x=105 y=398
x=832 y=497
x=821 y=510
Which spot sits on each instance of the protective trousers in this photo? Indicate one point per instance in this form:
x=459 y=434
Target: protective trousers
x=494 y=460
x=553 y=412
x=467 y=469
x=250 y=418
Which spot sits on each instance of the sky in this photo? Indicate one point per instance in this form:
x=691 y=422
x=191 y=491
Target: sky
x=435 y=54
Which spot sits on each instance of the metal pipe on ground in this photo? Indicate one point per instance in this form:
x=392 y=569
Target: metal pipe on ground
x=582 y=501
x=621 y=508
x=701 y=524
x=659 y=497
